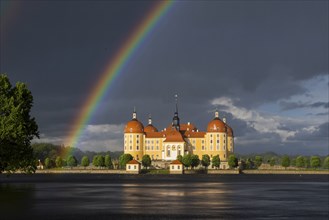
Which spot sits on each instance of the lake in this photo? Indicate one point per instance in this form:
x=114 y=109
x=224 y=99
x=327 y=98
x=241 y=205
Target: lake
x=104 y=196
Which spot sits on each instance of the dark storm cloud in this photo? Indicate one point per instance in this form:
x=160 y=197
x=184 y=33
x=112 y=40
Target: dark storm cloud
x=254 y=52
x=294 y=105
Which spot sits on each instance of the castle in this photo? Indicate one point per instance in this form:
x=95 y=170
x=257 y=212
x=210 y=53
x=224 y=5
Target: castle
x=178 y=139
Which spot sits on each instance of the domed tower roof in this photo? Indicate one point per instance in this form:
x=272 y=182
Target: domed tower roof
x=216 y=125
x=150 y=127
x=134 y=126
x=228 y=128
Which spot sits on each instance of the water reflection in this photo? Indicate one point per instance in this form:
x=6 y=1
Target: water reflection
x=174 y=198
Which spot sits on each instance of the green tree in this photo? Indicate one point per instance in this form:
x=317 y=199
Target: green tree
x=187 y=160
x=108 y=161
x=17 y=127
x=95 y=161
x=307 y=162
x=205 y=161
x=64 y=162
x=300 y=162
x=59 y=162
x=216 y=161
x=272 y=161
x=326 y=163
x=258 y=161
x=85 y=161
x=285 y=161
x=48 y=163
x=195 y=161
x=232 y=161
x=315 y=162
x=100 y=161
x=124 y=159
x=293 y=162
x=180 y=158
x=72 y=161
x=250 y=164
x=146 y=161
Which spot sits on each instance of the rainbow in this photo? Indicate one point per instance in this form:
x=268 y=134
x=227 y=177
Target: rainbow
x=115 y=67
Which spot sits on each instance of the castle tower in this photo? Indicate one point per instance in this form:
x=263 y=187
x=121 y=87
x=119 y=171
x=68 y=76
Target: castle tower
x=134 y=137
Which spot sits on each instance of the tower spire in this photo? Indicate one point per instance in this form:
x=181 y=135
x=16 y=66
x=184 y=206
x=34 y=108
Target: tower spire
x=216 y=113
x=176 y=101
x=175 y=121
x=150 y=119
x=134 y=113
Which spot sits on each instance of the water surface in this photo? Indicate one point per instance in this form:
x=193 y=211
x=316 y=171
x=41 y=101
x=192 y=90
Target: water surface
x=85 y=196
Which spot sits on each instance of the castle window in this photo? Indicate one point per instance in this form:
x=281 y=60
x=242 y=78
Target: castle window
x=128 y=166
x=217 y=147
x=217 y=135
x=211 y=135
x=157 y=147
x=137 y=147
x=138 y=136
x=135 y=167
x=203 y=141
x=193 y=147
x=217 y=141
x=152 y=147
x=157 y=142
x=131 y=147
x=224 y=147
x=202 y=147
x=211 y=141
x=152 y=142
x=130 y=141
x=137 y=141
x=178 y=167
x=210 y=147
x=224 y=155
x=131 y=136
x=224 y=141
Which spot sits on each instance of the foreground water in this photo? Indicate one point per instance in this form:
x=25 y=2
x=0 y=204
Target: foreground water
x=85 y=196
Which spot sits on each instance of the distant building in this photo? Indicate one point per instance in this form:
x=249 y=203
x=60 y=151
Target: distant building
x=178 y=139
x=176 y=167
x=133 y=167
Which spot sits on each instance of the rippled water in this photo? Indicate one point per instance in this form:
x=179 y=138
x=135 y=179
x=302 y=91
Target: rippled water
x=165 y=197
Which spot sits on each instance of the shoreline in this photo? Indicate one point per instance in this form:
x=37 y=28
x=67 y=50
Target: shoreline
x=189 y=172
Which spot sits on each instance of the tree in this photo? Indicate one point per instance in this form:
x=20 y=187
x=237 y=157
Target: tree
x=47 y=163
x=180 y=158
x=272 y=161
x=326 y=163
x=59 y=162
x=250 y=164
x=95 y=161
x=315 y=162
x=195 y=161
x=17 y=127
x=72 y=161
x=300 y=162
x=307 y=162
x=293 y=162
x=124 y=159
x=85 y=161
x=100 y=161
x=258 y=161
x=108 y=161
x=146 y=161
x=285 y=161
x=232 y=161
x=187 y=160
x=216 y=161
x=205 y=161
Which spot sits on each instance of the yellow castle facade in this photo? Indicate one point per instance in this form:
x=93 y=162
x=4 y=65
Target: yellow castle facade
x=178 y=139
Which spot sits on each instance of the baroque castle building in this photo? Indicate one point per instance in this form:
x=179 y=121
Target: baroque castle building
x=178 y=139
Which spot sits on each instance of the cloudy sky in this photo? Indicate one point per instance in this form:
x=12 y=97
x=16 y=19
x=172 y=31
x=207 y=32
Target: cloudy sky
x=263 y=64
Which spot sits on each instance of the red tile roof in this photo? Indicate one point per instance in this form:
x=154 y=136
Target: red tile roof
x=133 y=162
x=176 y=162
